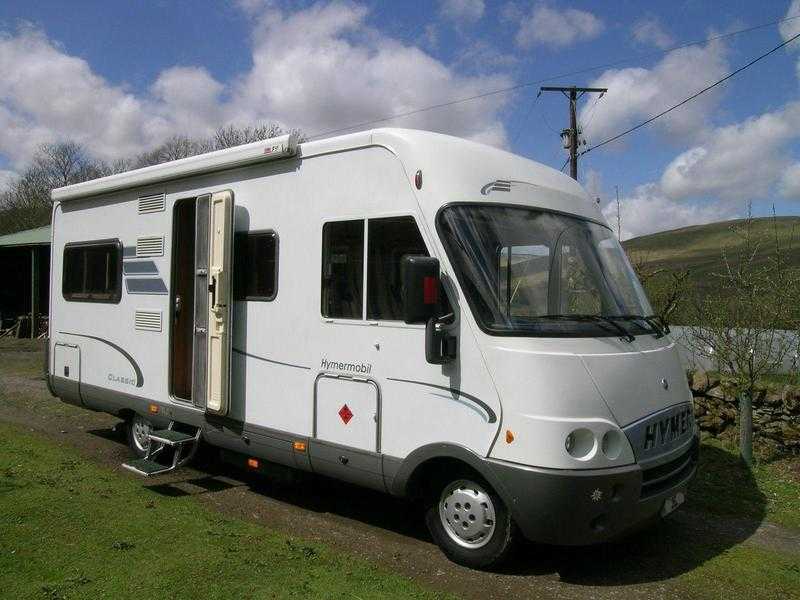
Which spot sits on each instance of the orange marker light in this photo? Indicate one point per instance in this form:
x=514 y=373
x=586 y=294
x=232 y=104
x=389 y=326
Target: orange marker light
x=153 y=408
x=300 y=446
x=252 y=463
x=509 y=436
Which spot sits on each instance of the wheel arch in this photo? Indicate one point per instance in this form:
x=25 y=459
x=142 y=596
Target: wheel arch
x=409 y=480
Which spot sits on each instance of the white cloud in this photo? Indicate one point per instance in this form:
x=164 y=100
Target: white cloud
x=6 y=179
x=319 y=68
x=556 y=28
x=737 y=162
x=647 y=210
x=324 y=67
x=650 y=31
x=47 y=94
x=635 y=93
x=789 y=186
x=789 y=29
x=461 y=12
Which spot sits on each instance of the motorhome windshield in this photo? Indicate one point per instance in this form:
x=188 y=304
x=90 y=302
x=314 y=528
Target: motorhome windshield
x=533 y=272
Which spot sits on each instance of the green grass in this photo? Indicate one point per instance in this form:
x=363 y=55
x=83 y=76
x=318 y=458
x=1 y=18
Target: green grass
x=744 y=572
x=700 y=247
x=70 y=529
x=726 y=488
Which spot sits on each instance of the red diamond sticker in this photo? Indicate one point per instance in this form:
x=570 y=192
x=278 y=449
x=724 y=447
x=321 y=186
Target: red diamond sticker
x=346 y=414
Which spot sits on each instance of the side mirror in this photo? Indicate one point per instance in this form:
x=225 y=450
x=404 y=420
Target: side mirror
x=420 y=288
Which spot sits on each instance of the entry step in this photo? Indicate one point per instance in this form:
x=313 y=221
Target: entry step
x=170 y=437
x=147 y=467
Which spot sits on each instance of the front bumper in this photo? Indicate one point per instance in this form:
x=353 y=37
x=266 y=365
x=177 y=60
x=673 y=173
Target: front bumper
x=575 y=508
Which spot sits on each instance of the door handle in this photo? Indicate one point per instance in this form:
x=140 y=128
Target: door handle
x=178 y=304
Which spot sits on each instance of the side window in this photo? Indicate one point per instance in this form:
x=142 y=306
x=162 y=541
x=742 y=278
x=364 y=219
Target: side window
x=256 y=266
x=92 y=272
x=343 y=269
x=389 y=241
x=579 y=292
x=523 y=280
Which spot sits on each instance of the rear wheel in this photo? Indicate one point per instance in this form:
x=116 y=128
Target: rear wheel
x=139 y=430
x=470 y=522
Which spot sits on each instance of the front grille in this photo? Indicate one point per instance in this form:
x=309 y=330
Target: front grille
x=657 y=479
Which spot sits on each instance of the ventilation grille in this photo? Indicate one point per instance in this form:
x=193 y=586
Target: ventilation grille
x=151 y=204
x=149 y=246
x=148 y=320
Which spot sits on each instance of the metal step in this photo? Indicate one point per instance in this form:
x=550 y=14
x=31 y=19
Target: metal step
x=147 y=467
x=170 y=437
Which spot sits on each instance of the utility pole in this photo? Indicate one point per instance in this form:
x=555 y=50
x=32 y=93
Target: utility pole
x=570 y=135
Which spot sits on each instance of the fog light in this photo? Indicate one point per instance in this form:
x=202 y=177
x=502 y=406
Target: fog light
x=612 y=444
x=581 y=444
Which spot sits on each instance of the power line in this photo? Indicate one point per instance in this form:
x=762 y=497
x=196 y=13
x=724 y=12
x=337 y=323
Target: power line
x=550 y=78
x=525 y=119
x=692 y=97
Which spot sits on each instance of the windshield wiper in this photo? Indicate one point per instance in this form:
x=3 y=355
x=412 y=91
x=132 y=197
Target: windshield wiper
x=656 y=323
x=623 y=333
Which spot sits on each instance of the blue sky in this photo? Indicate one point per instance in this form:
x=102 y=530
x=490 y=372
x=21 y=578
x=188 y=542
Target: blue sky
x=120 y=77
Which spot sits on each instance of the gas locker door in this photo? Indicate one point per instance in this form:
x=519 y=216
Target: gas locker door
x=347 y=412
x=220 y=249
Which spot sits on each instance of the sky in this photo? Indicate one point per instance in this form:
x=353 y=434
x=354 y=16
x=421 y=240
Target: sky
x=122 y=77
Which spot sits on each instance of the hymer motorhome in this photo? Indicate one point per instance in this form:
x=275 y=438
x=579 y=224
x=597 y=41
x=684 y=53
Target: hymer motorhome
x=407 y=311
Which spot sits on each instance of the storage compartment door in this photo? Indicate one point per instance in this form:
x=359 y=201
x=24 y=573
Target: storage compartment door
x=220 y=246
x=67 y=372
x=347 y=412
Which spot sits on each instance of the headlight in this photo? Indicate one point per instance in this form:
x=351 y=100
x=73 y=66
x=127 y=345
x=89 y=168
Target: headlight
x=581 y=444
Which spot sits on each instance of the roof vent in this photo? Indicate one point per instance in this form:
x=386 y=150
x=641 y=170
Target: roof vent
x=149 y=246
x=152 y=203
x=147 y=320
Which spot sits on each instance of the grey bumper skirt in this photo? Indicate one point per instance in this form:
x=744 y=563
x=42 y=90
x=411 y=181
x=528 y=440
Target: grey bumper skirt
x=574 y=507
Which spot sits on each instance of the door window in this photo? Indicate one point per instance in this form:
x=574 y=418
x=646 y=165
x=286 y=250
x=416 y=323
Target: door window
x=256 y=270
x=390 y=240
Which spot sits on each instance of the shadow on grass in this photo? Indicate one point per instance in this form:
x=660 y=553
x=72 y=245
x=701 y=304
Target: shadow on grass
x=666 y=549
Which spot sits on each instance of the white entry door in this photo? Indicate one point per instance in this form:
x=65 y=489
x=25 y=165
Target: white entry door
x=220 y=249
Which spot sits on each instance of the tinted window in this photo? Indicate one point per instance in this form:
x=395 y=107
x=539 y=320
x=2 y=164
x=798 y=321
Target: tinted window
x=92 y=272
x=256 y=266
x=343 y=269
x=389 y=241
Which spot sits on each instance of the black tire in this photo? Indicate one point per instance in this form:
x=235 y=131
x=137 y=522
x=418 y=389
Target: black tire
x=493 y=550
x=138 y=448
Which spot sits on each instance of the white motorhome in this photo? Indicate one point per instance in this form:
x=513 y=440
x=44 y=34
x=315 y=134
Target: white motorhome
x=407 y=311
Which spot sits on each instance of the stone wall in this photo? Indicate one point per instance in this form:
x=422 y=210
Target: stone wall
x=776 y=413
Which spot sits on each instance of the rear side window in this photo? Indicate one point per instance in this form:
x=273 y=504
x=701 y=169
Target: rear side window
x=389 y=241
x=343 y=269
x=256 y=266
x=92 y=271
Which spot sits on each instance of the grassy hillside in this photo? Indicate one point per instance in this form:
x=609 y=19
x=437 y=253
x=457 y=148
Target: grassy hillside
x=700 y=248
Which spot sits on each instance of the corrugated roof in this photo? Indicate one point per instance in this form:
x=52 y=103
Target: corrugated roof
x=29 y=237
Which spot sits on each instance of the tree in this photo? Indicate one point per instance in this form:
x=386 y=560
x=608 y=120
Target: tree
x=231 y=135
x=666 y=289
x=746 y=327
x=26 y=203
x=175 y=148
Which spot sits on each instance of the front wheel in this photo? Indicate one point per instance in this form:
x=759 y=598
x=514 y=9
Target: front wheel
x=470 y=522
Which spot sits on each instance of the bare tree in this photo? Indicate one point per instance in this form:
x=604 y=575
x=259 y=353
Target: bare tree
x=175 y=148
x=747 y=325
x=26 y=203
x=667 y=289
x=232 y=135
